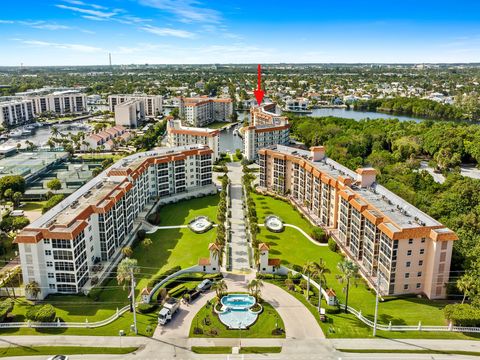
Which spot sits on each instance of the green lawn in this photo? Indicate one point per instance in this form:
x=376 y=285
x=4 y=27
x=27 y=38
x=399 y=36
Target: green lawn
x=218 y=125
x=293 y=248
x=212 y=349
x=64 y=350
x=262 y=328
x=33 y=206
x=170 y=247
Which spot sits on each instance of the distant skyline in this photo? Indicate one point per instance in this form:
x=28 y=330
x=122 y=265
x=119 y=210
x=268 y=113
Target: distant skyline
x=84 y=32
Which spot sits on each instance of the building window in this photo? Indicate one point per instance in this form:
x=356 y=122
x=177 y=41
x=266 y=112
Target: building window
x=51 y=286
x=405 y=287
x=410 y=241
x=420 y=262
x=50 y=275
x=422 y=251
x=419 y=285
x=409 y=252
x=419 y=274
x=407 y=264
x=423 y=240
x=49 y=263
x=46 y=241
x=48 y=252
x=407 y=275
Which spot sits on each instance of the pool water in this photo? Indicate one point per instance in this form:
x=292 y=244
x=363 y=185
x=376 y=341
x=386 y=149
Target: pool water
x=236 y=312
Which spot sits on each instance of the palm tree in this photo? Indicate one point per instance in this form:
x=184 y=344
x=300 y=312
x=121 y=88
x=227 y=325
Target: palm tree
x=307 y=270
x=217 y=252
x=289 y=284
x=348 y=272
x=126 y=270
x=254 y=287
x=127 y=251
x=220 y=287
x=318 y=271
x=32 y=289
x=54 y=131
x=467 y=284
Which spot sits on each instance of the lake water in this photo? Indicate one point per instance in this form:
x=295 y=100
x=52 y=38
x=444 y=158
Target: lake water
x=358 y=115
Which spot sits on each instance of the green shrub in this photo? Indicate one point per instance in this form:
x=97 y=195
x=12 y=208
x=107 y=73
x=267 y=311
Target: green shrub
x=177 y=290
x=332 y=244
x=154 y=218
x=297 y=268
x=318 y=235
x=157 y=278
x=54 y=200
x=6 y=307
x=462 y=314
x=146 y=308
x=333 y=310
x=41 y=313
x=94 y=293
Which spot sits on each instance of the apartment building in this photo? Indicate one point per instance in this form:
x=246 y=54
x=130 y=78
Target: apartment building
x=178 y=135
x=81 y=238
x=153 y=104
x=201 y=111
x=69 y=101
x=16 y=111
x=299 y=104
x=268 y=129
x=385 y=235
x=130 y=113
x=106 y=138
x=265 y=115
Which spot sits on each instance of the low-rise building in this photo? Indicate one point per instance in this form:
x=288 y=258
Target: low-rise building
x=130 y=113
x=178 y=135
x=299 y=104
x=385 y=235
x=201 y=111
x=81 y=238
x=152 y=104
x=105 y=138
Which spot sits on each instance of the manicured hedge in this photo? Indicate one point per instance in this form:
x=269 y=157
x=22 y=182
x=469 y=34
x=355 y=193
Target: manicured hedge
x=6 y=307
x=146 y=308
x=156 y=279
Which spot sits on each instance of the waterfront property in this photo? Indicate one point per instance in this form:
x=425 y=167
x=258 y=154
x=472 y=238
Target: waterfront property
x=387 y=237
x=267 y=128
x=178 y=135
x=106 y=138
x=16 y=111
x=152 y=104
x=91 y=226
x=201 y=111
x=56 y=100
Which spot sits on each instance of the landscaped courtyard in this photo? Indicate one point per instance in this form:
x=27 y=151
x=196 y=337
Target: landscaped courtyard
x=294 y=248
x=169 y=248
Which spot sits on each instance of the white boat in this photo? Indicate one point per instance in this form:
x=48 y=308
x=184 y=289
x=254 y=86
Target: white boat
x=15 y=133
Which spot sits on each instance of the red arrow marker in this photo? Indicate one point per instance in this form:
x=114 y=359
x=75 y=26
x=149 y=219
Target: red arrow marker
x=259 y=93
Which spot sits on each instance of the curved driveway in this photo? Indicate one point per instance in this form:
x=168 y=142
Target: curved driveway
x=299 y=322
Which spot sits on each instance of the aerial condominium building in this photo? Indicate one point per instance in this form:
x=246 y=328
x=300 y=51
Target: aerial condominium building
x=178 y=135
x=152 y=104
x=130 y=113
x=15 y=112
x=56 y=100
x=385 y=235
x=268 y=129
x=201 y=111
x=76 y=244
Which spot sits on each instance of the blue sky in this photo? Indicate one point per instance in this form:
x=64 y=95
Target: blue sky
x=82 y=32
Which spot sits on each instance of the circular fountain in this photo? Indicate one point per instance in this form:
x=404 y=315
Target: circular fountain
x=200 y=224
x=236 y=311
x=274 y=224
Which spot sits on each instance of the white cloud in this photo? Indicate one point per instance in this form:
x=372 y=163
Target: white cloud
x=186 y=10
x=66 y=46
x=7 y=21
x=81 y=3
x=89 y=12
x=167 y=31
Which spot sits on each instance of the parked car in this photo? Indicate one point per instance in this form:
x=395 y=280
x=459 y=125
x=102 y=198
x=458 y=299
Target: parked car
x=204 y=285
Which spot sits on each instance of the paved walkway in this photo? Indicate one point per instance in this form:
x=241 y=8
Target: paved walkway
x=239 y=243
x=303 y=233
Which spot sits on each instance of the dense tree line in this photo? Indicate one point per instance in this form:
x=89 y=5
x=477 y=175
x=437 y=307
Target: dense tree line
x=395 y=149
x=422 y=107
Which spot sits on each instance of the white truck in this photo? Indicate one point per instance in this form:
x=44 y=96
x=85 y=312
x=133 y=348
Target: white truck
x=169 y=308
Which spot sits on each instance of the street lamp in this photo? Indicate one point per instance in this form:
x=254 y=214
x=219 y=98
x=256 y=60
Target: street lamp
x=376 y=303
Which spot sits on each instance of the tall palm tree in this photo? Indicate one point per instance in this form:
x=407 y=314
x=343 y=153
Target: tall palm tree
x=220 y=286
x=307 y=270
x=467 y=284
x=125 y=270
x=318 y=271
x=348 y=272
x=54 y=131
x=289 y=284
x=217 y=252
x=254 y=287
x=33 y=289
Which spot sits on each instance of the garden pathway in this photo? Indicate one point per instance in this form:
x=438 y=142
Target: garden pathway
x=303 y=233
x=239 y=243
